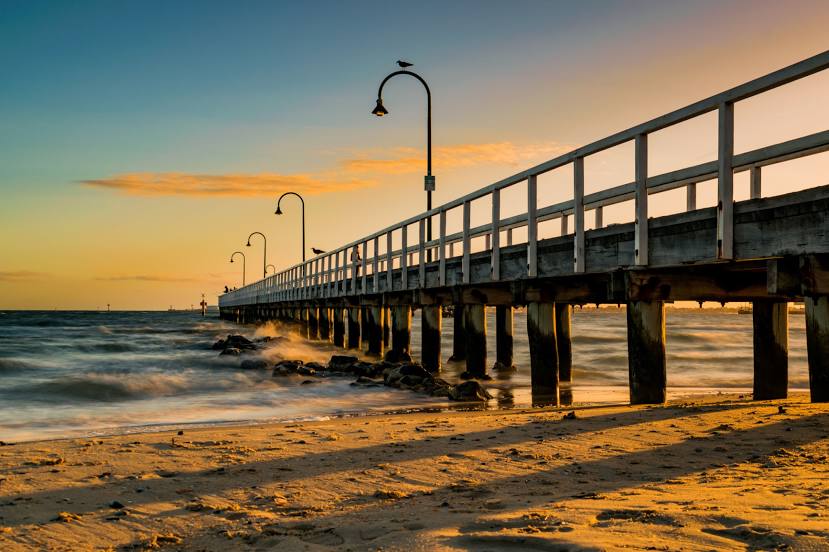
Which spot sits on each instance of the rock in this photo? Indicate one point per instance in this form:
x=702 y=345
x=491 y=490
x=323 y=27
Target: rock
x=393 y=355
x=316 y=366
x=570 y=415
x=469 y=391
x=394 y=373
x=342 y=363
x=253 y=364
x=411 y=381
x=231 y=351
x=116 y=505
x=308 y=382
x=219 y=345
x=501 y=367
x=286 y=367
x=238 y=342
x=305 y=371
x=364 y=380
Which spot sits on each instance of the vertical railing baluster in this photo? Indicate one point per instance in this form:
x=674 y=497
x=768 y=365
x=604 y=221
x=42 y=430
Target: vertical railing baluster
x=404 y=265
x=532 y=227
x=374 y=260
x=563 y=224
x=578 y=215
x=755 y=183
x=442 y=249
x=691 y=197
x=725 y=180
x=364 y=266
x=422 y=253
x=354 y=268
x=640 y=223
x=467 y=241
x=599 y=216
x=509 y=236
x=336 y=273
x=495 y=268
x=389 y=263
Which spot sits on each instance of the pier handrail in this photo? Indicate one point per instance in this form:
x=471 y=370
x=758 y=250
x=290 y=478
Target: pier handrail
x=338 y=272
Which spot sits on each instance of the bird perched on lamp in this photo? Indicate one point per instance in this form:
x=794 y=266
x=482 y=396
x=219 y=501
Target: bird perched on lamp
x=404 y=64
x=317 y=251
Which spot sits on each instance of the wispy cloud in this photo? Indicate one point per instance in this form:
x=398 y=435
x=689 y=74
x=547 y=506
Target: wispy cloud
x=13 y=276
x=359 y=171
x=146 y=278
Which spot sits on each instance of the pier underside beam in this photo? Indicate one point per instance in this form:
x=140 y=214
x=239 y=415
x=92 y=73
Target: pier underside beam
x=474 y=324
x=646 y=352
x=817 y=345
x=771 y=349
x=431 y=323
x=544 y=371
x=354 y=329
x=564 y=342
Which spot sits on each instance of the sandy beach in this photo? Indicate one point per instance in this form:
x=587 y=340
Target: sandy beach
x=716 y=473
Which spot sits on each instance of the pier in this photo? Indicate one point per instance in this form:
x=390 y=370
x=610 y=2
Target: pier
x=765 y=250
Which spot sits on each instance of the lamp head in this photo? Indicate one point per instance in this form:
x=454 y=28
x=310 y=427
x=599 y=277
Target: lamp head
x=248 y=244
x=231 y=259
x=278 y=210
x=379 y=110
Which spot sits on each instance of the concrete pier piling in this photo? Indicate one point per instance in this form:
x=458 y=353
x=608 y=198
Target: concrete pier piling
x=474 y=325
x=564 y=342
x=771 y=349
x=541 y=330
x=386 y=327
x=646 y=352
x=364 y=325
x=817 y=346
x=430 y=323
x=458 y=334
x=504 y=326
x=401 y=328
x=374 y=333
x=313 y=322
x=354 y=329
x=325 y=323
x=339 y=327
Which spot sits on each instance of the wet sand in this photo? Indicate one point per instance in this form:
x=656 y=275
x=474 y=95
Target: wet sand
x=714 y=473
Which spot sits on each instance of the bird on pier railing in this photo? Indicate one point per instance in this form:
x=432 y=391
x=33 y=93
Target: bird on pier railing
x=317 y=251
x=404 y=64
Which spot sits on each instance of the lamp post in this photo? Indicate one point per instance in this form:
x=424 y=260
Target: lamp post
x=279 y=212
x=429 y=180
x=264 y=252
x=243 y=264
x=270 y=266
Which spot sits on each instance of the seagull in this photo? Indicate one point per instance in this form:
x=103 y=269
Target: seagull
x=404 y=64
x=317 y=251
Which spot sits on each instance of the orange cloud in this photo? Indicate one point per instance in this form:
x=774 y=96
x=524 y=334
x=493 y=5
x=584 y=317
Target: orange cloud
x=353 y=173
x=146 y=278
x=210 y=185
x=408 y=160
x=14 y=276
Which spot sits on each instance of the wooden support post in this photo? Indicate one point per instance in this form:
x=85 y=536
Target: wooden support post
x=771 y=349
x=564 y=342
x=458 y=335
x=339 y=327
x=474 y=321
x=646 y=351
x=364 y=316
x=313 y=323
x=354 y=341
x=541 y=330
x=503 y=337
x=375 y=330
x=817 y=346
x=325 y=323
x=725 y=183
x=430 y=327
x=401 y=328
x=386 y=327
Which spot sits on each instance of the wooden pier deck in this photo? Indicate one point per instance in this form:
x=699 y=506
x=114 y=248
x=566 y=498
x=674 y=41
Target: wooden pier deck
x=765 y=250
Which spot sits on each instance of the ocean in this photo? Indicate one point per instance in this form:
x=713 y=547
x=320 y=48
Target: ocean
x=69 y=374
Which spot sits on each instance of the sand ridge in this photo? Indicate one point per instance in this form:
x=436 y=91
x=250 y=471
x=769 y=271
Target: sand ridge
x=716 y=473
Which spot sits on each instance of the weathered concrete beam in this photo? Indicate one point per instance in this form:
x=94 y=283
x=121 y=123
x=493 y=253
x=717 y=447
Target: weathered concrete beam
x=817 y=346
x=474 y=323
x=646 y=352
x=431 y=322
x=339 y=327
x=771 y=349
x=541 y=330
x=504 y=326
x=401 y=328
x=564 y=342
x=354 y=323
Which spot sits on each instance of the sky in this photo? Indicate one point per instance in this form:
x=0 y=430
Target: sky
x=142 y=142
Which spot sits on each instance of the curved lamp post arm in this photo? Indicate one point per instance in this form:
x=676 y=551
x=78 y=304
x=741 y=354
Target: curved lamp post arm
x=270 y=266
x=264 y=252
x=243 y=264
x=380 y=110
x=279 y=212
